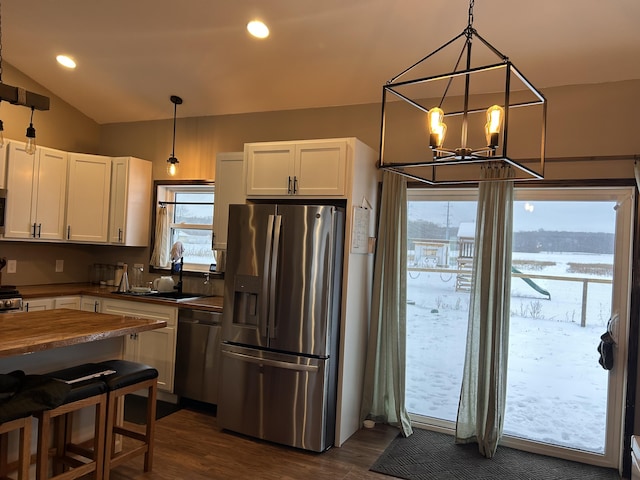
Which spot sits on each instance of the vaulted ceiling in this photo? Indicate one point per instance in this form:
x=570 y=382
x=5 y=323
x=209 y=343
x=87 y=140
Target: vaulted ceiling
x=133 y=54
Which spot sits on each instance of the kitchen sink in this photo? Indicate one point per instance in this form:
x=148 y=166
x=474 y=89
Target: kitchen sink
x=175 y=296
x=178 y=296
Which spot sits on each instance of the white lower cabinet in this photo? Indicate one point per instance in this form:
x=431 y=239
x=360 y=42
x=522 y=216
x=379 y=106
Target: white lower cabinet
x=156 y=348
x=90 y=304
x=38 y=304
x=72 y=302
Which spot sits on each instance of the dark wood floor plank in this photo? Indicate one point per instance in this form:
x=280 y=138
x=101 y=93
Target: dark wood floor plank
x=191 y=446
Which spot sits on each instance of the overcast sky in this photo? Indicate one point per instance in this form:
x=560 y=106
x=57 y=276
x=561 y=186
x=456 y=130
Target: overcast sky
x=534 y=215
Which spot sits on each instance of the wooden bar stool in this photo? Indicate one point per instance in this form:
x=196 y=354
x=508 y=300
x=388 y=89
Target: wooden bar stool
x=21 y=465
x=129 y=377
x=23 y=396
x=71 y=459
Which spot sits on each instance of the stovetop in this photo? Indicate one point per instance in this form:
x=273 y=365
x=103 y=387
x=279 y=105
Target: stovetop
x=10 y=298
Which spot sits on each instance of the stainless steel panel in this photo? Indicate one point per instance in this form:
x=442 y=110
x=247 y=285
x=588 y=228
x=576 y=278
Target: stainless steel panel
x=287 y=399
x=198 y=357
x=309 y=259
x=246 y=283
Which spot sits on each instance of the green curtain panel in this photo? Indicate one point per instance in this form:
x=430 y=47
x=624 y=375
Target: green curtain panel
x=383 y=394
x=482 y=399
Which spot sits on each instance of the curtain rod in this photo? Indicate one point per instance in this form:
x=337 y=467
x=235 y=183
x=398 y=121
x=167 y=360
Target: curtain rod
x=163 y=203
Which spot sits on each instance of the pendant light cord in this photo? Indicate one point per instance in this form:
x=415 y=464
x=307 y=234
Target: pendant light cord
x=173 y=147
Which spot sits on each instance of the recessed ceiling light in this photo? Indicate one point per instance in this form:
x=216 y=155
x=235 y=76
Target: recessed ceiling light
x=258 y=29
x=66 y=61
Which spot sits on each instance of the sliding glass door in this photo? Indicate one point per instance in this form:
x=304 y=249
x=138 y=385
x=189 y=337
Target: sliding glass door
x=571 y=271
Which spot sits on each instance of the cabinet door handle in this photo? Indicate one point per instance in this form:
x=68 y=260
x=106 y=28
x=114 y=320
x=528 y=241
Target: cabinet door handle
x=95 y=306
x=289 y=186
x=39 y=230
x=295 y=184
x=34 y=230
x=68 y=232
x=119 y=235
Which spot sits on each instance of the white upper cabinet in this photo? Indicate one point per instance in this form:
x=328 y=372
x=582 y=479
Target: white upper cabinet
x=310 y=168
x=229 y=190
x=88 y=198
x=36 y=190
x=130 y=201
x=3 y=164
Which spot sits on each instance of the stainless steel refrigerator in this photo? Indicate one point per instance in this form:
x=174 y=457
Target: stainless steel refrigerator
x=281 y=323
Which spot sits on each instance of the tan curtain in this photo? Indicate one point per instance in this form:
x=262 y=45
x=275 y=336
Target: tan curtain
x=383 y=394
x=482 y=399
x=160 y=255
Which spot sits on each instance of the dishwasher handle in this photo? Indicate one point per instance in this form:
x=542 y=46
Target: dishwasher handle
x=203 y=317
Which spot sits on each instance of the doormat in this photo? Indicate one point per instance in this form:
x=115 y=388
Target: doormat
x=135 y=409
x=428 y=455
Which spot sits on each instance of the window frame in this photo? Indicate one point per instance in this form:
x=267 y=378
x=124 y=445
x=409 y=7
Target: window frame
x=163 y=191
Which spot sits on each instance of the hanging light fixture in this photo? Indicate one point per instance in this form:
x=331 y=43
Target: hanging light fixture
x=31 y=137
x=483 y=103
x=172 y=162
x=20 y=96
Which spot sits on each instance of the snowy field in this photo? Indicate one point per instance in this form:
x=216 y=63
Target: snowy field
x=557 y=391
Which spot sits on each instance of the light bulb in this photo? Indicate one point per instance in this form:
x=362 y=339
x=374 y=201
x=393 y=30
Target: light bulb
x=31 y=140
x=437 y=128
x=258 y=29
x=495 y=116
x=172 y=166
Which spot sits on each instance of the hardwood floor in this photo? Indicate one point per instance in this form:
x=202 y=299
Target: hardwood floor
x=189 y=445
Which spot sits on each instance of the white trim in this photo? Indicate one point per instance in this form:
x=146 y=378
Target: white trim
x=625 y=198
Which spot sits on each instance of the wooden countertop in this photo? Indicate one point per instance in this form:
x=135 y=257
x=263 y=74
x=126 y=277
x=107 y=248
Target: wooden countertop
x=209 y=303
x=27 y=332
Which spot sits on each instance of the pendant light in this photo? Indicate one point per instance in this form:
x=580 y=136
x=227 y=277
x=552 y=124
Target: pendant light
x=172 y=162
x=23 y=97
x=462 y=117
x=31 y=137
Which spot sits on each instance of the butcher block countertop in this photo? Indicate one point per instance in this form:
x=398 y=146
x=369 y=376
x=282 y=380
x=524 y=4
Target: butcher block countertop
x=209 y=303
x=27 y=332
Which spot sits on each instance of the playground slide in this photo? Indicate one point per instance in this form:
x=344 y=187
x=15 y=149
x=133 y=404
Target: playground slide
x=532 y=284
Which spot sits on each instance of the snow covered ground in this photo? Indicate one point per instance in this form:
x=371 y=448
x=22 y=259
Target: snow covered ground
x=557 y=391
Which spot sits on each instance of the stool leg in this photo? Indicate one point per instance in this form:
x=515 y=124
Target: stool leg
x=110 y=440
x=4 y=453
x=151 y=425
x=62 y=428
x=99 y=438
x=25 y=450
x=42 y=454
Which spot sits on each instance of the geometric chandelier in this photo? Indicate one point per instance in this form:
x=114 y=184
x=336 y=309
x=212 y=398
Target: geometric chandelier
x=445 y=128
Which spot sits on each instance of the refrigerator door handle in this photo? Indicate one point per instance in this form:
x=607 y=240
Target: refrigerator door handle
x=272 y=281
x=270 y=363
x=266 y=300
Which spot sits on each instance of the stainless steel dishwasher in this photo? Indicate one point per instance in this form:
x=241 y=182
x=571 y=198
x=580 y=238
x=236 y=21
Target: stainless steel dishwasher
x=198 y=355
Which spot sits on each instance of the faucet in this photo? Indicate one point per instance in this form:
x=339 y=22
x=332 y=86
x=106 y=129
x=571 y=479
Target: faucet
x=178 y=286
